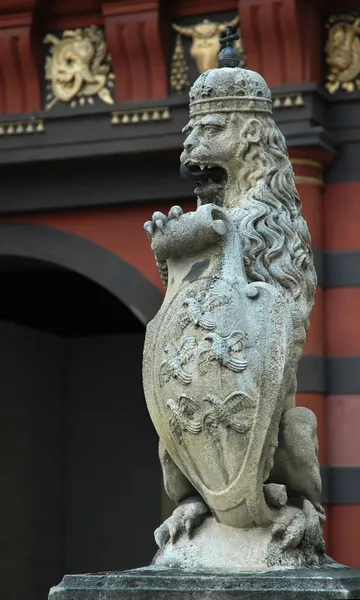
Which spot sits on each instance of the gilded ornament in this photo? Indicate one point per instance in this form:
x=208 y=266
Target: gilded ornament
x=290 y=101
x=146 y=115
x=78 y=67
x=179 y=75
x=204 y=49
x=343 y=53
x=29 y=126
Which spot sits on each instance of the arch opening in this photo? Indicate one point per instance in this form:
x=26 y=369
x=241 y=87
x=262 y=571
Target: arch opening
x=51 y=298
x=84 y=257
x=78 y=446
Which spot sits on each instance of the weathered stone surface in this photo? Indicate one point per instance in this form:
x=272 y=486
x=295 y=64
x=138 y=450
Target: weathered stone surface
x=217 y=546
x=221 y=355
x=332 y=583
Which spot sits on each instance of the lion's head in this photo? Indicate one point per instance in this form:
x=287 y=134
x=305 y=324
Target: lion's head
x=239 y=158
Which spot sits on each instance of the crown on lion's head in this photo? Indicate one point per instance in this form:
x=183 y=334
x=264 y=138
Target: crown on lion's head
x=229 y=90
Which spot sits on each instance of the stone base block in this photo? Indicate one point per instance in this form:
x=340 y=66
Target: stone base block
x=317 y=583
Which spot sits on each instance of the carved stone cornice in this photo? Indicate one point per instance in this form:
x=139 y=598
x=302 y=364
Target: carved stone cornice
x=134 y=39
x=155 y=125
x=19 y=67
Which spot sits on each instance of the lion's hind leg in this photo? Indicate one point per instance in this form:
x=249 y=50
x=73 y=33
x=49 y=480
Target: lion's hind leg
x=191 y=509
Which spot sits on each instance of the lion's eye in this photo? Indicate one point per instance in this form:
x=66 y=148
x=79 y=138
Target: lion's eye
x=212 y=128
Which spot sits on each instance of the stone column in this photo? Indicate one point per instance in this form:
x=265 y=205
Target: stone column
x=342 y=318
x=308 y=166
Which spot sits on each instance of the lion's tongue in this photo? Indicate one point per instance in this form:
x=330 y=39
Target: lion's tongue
x=215 y=173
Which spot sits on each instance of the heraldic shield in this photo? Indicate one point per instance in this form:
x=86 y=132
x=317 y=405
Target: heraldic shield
x=218 y=366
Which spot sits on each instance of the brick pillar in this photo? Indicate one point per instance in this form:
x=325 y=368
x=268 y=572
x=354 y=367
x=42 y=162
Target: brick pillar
x=133 y=35
x=20 y=88
x=282 y=39
x=342 y=319
x=308 y=167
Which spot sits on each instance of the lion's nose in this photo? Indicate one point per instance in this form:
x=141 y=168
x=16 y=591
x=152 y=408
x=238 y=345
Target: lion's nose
x=191 y=141
x=188 y=145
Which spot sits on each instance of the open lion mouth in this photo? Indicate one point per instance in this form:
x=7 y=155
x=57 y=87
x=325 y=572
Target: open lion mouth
x=210 y=181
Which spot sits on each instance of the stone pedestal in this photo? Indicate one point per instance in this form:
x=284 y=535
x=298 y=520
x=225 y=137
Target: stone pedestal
x=335 y=583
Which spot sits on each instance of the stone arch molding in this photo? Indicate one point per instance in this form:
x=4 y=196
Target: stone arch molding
x=82 y=256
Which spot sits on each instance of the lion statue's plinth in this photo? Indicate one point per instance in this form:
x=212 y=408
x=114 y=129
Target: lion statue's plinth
x=239 y=459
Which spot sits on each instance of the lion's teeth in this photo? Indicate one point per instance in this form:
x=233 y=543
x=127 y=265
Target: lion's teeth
x=202 y=167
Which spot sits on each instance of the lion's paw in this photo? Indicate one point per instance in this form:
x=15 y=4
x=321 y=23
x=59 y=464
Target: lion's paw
x=295 y=526
x=185 y=519
x=159 y=220
x=314 y=519
x=289 y=528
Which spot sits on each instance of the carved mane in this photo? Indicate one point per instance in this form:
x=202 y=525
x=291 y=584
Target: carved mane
x=276 y=239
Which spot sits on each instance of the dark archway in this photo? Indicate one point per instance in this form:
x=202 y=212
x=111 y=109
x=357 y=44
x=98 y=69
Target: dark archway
x=49 y=298
x=77 y=445
x=37 y=242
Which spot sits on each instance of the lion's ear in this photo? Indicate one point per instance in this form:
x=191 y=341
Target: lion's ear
x=252 y=131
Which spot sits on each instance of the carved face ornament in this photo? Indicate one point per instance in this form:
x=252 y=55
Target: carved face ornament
x=71 y=70
x=344 y=50
x=343 y=54
x=77 y=65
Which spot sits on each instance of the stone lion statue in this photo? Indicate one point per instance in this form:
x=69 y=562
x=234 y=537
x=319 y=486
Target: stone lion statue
x=239 y=459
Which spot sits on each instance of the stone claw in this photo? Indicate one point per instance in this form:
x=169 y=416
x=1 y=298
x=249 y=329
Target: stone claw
x=149 y=229
x=290 y=527
x=159 y=224
x=162 y=535
x=159 y=220
x=174 y=531
x=175 y=212
x=297 y=526
x=184 y=520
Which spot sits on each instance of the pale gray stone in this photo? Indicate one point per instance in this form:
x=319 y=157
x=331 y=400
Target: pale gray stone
x=222 y=548
x=220 y=357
